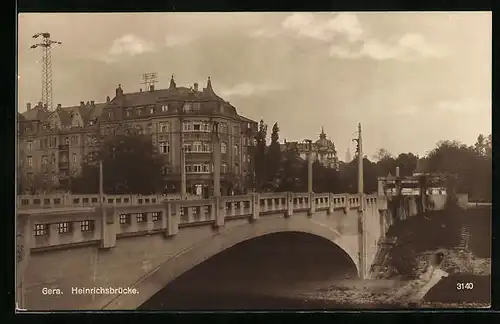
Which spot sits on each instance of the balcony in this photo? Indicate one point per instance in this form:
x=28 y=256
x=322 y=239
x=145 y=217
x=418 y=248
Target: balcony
x=63 y=147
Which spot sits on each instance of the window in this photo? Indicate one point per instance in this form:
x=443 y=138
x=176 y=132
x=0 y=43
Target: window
x=30 y=161
x=64 y=227
x=223 y=148
x=29 y=146
x=197 y=147
x=139 y=111
x=164 y=108
x=198 y=168
x=187 y=107
x=197 y=127
x=223 y=127
x=206 y=147
x=66 y=140
x=141 y=217
x=74 y=139
x=187 y=126
x=206 y=168
x=41 y=229
x=235 y=149
x=206 y=127
x=245 y=157
x=110 y=114
x=156 y=216
x=151 y=110
x=87 y=225
x=44 y=143
x=236 y=130
x=128 y=113
x=45 y=160
x=53 y=141
x=223 y=168
x=164 y=127
x=236 y=168
x=149 y=128
x=74 y=157
x=124 y=219
x=187 y=147
x=164 y=147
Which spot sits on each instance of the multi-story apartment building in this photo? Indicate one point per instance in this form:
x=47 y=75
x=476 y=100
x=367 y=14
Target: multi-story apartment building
x=323 y=150
x=52 y=145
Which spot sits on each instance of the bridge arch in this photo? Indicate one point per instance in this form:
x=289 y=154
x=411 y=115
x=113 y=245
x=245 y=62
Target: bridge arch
x=225 y=238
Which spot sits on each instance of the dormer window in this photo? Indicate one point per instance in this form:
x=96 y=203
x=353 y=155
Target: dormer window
x=110 y=114
x=139 y=111
x=164 y=108
x=128 y=113
x=152 y=110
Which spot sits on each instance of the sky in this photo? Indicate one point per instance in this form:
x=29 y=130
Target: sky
x=410 y=79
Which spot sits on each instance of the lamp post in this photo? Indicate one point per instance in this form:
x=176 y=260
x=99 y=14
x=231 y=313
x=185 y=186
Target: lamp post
x=309 y=166
x=216 y=158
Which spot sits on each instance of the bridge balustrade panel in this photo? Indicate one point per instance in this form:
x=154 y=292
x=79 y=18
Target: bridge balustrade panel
x=137 y=220
x=236 y=206
x=270 y=203
x=301 y=202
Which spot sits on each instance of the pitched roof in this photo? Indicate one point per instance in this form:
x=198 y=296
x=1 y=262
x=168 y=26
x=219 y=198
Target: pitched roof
x=36 y=113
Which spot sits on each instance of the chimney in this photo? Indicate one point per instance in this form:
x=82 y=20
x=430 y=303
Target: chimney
x=88 y=103
x=28 y=105
x=92 y=103
x=119 y=90
x=107 y=99
x=59 y=106
x=152 y=87
x=82 y=103
x=397 y=171
x=196 y=86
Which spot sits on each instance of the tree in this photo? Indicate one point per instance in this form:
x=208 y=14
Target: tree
x=260 y=155
x=291 y=169
x=385 y=163
x=407 y=163
x=273 y=159
x=131 y=164
x=382 y=154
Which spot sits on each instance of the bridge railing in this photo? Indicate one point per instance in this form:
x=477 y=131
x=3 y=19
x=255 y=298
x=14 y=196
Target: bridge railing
x=64 y=200
x=50 y=229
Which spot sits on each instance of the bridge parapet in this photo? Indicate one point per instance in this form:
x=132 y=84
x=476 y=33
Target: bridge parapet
x=62 y=200
x=105 y=225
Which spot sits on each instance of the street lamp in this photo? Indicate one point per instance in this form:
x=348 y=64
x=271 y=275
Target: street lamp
x=309 y=166
x=254 y=154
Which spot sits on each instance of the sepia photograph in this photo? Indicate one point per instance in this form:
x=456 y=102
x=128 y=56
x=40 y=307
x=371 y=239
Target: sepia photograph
x=253 y=161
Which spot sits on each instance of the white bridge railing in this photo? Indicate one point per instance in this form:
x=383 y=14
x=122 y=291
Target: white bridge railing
x=52 y=229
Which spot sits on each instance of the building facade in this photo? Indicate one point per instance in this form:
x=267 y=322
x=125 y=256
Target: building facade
x=179 y=120
x=323 y=150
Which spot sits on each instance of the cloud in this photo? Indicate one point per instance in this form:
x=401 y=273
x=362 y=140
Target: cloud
x=349 y=40
x=177 y=40
x=345 y=25
x=264 y=33
x=247 y=89
x=130 y=45
x=467 y=105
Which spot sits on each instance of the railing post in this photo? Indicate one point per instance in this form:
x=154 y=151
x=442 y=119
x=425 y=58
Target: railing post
x=172 y=221
x=255 y=206
x=108 y=232
x=289 y=204
x=331 y=203
x=312 y=205
x=219 y=212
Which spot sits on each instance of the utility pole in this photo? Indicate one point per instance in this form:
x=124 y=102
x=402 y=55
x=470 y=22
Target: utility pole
x=216 y=152
x=309 y=167
x=359 y=152
x=46 y=45
x=183 y=163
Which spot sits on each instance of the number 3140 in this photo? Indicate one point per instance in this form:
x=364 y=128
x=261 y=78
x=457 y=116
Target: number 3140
x=465 y=286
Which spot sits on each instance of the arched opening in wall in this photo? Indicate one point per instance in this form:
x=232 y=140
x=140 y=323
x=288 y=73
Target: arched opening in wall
x=266 y=272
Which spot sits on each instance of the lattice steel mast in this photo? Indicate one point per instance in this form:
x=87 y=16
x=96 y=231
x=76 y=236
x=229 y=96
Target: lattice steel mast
x=46 y=45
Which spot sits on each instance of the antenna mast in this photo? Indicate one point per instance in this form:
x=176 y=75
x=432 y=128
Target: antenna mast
x=46 y=45
x=149 y=79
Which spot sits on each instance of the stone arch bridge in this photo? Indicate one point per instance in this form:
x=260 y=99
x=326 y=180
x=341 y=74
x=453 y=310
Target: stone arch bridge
x=67 y=258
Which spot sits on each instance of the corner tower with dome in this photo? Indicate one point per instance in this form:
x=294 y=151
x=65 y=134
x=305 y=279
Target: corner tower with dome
x=323 y=150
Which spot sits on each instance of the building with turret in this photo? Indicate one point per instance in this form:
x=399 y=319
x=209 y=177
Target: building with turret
x=323 y=150
x=53 y=144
